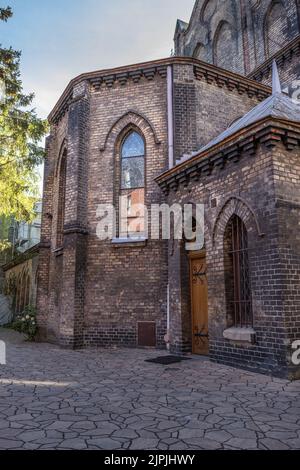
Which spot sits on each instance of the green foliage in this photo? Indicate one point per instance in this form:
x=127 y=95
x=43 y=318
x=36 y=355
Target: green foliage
x=26 y=323
x=21 y=132
x=5 y=13
x=5 y=245
x=10 y=286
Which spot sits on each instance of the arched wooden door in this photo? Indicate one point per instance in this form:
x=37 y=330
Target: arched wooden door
x=199 y=303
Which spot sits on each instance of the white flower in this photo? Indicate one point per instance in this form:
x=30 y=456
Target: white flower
x=27 y=317
x=23 y=319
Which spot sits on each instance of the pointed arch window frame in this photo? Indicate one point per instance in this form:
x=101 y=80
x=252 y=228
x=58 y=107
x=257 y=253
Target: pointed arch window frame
x=133 y=190
x=61 y=203
x=239 y=297
x=266 y=36
x=133 y=159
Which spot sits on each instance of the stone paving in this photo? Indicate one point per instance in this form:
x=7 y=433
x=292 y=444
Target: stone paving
x=112 y=399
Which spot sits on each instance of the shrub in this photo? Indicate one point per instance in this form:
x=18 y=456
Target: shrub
x=26 y=323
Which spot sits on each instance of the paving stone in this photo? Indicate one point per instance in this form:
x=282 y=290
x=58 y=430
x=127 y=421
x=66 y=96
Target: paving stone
x=31 y=446
x=218 y=436
x=144 y=444
x=76 y=444
x=274 y=444
x=205 y=444
x=4 y=424
x=60 y=425
x=281 y=435
x=105 y=443
x=245 y=444
x=29 y=436
x=20 y=417
x=125 y=433
x=190 y=434
x=83 y=425
x=113 y=400
x=293 y=443
x=242 y=433
x=7 y=444
x=9 y=432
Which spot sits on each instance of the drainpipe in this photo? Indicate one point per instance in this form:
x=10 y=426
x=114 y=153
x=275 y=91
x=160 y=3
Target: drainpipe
x=168 y=318
x=170 y=117
x=171 y=165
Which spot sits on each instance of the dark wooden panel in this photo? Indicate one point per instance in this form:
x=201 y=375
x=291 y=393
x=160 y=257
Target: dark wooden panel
x=147 y=334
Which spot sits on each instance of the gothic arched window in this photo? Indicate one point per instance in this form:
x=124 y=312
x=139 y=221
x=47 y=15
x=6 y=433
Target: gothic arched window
x=61 y=200
x=226 y=50
x=133 y=162
x=276 y=28
x=237 y=274
x=132 y=221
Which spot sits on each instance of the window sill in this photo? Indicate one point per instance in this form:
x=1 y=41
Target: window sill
x=240 y=335
x=128 y=242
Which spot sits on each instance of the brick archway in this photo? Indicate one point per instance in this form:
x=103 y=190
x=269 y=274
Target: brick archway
x=131 y=118
x=238 y=206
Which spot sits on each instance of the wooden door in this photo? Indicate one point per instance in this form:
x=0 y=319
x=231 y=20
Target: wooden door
x=199 y=297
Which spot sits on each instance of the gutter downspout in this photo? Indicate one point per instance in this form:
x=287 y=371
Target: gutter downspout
x=171 y=165
x=170 y=116
x=168 y=336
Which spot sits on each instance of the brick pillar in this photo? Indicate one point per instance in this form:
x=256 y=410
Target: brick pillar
x=45 y=244
x=185 y=111
x=180 y=309
x=75 y=228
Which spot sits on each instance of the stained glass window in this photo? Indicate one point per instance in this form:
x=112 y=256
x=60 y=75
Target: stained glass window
x=133 y=146
x=133 y=162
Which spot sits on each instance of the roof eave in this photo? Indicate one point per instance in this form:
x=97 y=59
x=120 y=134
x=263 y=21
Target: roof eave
x=166 y=61
x=231 y=140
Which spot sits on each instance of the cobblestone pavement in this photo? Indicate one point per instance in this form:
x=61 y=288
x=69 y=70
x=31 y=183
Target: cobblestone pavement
x=112 y=399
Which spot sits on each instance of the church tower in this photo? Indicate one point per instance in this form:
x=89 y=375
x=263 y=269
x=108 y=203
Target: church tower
x=243 y=35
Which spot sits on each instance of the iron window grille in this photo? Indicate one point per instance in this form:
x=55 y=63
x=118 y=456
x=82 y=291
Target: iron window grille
x=239 y=298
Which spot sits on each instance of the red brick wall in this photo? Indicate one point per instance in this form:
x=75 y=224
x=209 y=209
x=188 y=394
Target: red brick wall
x=264 y=191
x=125 y=285
x=238 y=35
x=203 y=109
x=96 y=292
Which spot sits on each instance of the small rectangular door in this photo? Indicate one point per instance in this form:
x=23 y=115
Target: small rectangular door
x=199 y=294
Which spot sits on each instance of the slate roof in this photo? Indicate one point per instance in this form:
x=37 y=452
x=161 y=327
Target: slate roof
x=278 y=105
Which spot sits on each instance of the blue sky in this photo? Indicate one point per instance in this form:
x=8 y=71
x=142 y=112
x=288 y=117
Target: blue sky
x=60 y=39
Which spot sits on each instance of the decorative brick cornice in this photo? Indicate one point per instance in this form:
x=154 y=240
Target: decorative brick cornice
x=269 y=132
x=63 y=109
x=284 y=55
x=122 y=78
x=230 y=82
x=149 y=70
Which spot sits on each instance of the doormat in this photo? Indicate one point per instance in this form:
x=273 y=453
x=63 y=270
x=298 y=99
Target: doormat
x=167 y=360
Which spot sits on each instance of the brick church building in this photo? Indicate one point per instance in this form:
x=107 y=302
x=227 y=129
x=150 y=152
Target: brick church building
x=201 y=127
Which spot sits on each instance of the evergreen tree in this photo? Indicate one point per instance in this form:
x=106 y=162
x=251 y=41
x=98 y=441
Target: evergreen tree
x=21 y=132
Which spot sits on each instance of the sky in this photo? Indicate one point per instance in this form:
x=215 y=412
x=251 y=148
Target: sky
x=61 y=39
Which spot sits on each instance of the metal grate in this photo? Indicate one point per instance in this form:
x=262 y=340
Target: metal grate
x=241 y=303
